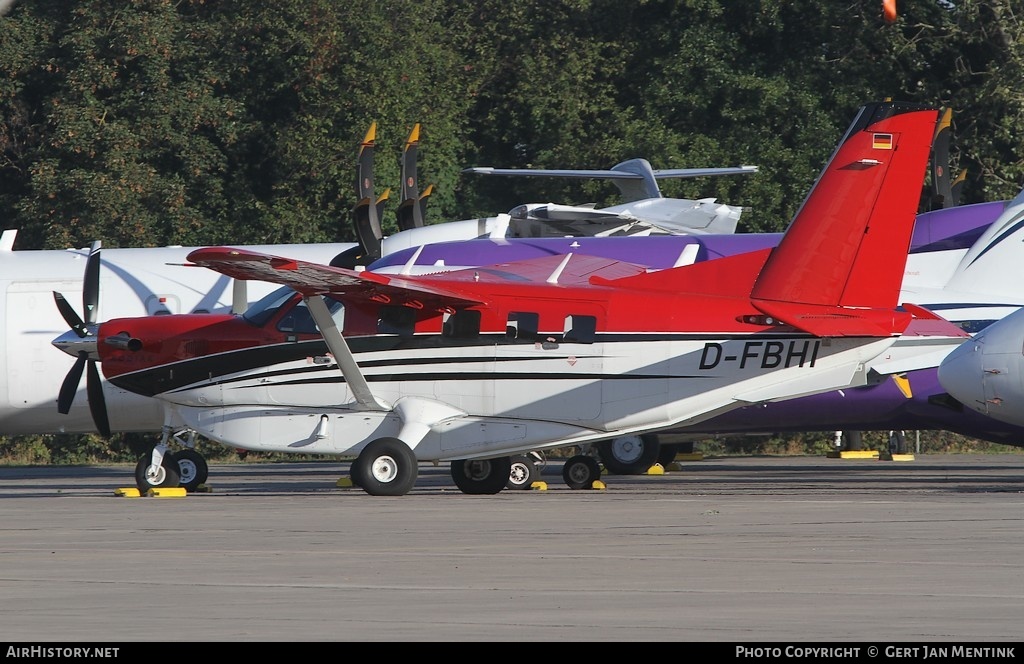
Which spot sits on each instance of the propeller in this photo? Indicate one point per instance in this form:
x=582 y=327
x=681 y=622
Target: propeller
x=367 y=213
x=412 y=209
x=80 y=342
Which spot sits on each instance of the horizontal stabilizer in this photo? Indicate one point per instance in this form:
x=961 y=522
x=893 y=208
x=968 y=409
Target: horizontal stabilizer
x=830 y=321
x=635 y=178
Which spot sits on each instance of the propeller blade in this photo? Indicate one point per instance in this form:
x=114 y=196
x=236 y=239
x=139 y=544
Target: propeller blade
x=91 y=287
x=70 y=385
x=97 y=402
x=69 y=314
x=367 y=212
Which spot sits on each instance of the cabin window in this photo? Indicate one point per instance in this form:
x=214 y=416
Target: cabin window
x=522 y=325
x=580 y=329
x=461 y=325
x=396 y=320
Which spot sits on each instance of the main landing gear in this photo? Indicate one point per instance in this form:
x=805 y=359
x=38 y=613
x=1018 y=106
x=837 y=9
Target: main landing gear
x=635 y=454
x=629 y=455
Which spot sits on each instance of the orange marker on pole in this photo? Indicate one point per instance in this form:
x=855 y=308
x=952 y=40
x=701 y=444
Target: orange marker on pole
x=889 y=10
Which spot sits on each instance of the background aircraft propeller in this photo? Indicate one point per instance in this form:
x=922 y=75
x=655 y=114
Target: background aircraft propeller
x=412 y=208
x=85 y=329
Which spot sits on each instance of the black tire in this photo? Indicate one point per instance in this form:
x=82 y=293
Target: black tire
x=385 y=467
x=581 y=471
x=523 y=474
x=629 y=455
x=897 y=443
x=167 y=478
x=192 y=469
x=481 y=477
x=667 y=454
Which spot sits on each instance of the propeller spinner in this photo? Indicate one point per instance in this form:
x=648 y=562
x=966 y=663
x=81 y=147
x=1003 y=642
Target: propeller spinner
x=80 y=343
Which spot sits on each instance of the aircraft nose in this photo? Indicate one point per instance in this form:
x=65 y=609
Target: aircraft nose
x=74 y=345
x=960 y=374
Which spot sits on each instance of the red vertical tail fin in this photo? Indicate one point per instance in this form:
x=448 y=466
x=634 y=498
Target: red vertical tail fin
x=842 y=259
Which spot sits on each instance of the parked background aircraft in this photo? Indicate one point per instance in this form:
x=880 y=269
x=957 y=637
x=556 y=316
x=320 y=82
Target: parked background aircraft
x=644 y=211
x=984 y=374
x=410 y=406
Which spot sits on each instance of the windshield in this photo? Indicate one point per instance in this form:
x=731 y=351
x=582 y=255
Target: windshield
x=260 y=312
x=298 y=319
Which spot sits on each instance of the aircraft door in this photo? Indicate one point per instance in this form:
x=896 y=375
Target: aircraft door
x=463 y=373
x=312 y=378
x=552 y=367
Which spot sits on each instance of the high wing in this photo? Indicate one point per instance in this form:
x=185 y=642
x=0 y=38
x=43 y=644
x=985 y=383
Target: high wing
x=443 y=291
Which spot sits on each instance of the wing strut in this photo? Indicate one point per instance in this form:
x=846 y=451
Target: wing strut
x=342 y=354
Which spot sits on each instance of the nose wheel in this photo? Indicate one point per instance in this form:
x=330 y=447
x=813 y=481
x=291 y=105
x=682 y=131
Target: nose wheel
x=149 y=476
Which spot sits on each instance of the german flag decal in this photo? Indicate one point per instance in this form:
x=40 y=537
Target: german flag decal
x=882 y=142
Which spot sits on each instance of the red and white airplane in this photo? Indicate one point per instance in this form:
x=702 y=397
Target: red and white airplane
x=473 y=366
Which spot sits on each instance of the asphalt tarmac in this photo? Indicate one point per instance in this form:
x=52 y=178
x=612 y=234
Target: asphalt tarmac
x=789 y=549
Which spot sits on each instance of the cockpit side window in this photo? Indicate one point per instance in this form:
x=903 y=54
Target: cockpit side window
x=298 y=320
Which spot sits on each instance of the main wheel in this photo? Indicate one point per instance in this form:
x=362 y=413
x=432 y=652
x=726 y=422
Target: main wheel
x=192 y=468
x=581 y=471
x=629 y=455
x=385 y=467
x=481 y=476
x=166 y=475
x=523 y=474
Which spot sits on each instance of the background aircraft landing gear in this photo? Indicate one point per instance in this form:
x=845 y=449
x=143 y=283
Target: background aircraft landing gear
x=629 y=455
x=667 y=453
x=148 y=476
x=192 y=468
x=481 y=476
x=581 y=471
x=525 y=470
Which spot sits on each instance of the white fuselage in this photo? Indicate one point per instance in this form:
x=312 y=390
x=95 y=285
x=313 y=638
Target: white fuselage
x=495 y=399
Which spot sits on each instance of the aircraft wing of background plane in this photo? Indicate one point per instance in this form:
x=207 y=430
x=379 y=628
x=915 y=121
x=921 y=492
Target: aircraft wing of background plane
x=535 y=363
